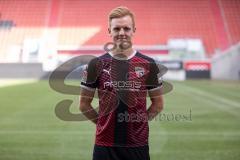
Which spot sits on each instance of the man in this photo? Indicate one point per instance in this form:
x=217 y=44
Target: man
x=122 y=77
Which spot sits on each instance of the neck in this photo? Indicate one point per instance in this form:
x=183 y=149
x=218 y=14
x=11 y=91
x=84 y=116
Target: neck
x=127 y=52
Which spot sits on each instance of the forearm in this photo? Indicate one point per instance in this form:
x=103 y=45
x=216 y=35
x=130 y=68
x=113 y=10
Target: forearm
x=89 y=112
x=154 y=110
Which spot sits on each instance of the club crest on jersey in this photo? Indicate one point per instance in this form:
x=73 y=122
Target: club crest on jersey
x=139 y=71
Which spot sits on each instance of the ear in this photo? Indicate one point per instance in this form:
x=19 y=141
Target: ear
x=109 y=32
x=134 y=30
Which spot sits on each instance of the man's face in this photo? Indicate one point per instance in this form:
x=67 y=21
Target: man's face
x=121 y=29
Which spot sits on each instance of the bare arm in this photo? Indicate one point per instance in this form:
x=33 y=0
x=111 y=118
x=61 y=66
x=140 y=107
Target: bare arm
x=85 y=107
x=156 y=103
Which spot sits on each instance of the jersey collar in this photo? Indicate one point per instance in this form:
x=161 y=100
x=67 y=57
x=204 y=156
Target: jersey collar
x=131 y=56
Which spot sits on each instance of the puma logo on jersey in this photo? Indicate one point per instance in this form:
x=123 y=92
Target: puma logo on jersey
x=107 y=71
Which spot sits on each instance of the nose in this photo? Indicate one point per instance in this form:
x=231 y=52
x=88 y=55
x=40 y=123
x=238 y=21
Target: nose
x=121 y=32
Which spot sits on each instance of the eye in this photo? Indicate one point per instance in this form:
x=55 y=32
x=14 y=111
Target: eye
x=127 y=29
x=116 y=29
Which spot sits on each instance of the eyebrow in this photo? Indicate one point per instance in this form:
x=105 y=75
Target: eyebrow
x=124 y=27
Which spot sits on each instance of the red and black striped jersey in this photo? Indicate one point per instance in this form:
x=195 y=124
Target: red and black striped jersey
x=122 y=86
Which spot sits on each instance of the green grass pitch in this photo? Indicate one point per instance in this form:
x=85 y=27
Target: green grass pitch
x=201 y=120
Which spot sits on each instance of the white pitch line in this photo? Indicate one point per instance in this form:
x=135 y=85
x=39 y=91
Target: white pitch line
x=12 y=82
x=214 y=97
x=217 y=101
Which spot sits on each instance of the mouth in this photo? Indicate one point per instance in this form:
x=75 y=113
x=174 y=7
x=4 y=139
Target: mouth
x=122 y=39
x=121 y=36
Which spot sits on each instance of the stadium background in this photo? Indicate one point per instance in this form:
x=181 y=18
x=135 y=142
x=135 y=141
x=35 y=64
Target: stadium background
x=198 y=40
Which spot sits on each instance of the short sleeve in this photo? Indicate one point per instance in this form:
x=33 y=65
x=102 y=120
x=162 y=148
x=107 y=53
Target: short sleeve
x=90 y=75
x=153 y=80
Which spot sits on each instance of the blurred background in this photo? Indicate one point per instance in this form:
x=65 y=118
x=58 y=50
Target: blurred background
x=197 y=40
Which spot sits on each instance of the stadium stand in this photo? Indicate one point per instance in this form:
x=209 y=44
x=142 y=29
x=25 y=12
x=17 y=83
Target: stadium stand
x=29 y=19
x=230 y=11
x=213 y=21
x=69 y=26
x=163 y=19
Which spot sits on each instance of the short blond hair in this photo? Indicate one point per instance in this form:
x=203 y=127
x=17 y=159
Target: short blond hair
x=119 y=12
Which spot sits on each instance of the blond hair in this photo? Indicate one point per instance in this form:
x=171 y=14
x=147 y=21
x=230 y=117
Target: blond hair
x=120 y=12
